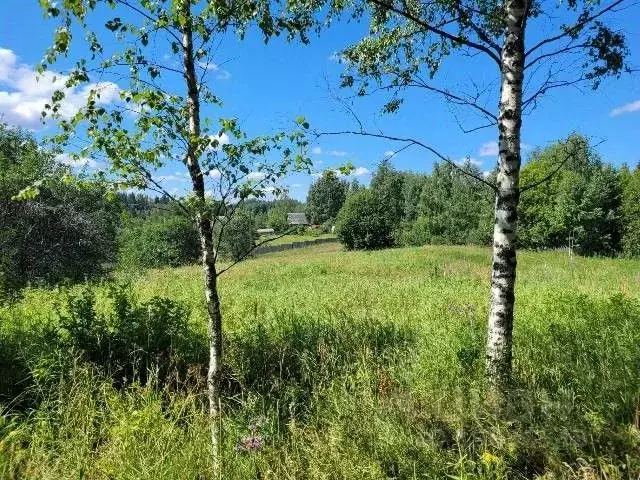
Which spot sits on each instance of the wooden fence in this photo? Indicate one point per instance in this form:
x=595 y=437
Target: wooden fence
x=268 y=248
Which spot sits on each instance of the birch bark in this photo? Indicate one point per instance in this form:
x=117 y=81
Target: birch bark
x=503 y=272
x=205 y=231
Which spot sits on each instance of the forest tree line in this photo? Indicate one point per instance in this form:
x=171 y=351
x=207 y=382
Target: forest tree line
x=588 y=204
x=75 y=230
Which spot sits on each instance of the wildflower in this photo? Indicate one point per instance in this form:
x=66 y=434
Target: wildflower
x=489 y=458
x=252 y=443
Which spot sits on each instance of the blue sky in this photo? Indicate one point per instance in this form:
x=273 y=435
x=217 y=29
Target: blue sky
x=267 y=87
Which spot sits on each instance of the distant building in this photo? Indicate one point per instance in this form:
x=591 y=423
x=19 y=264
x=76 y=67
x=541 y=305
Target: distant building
x=297 y=219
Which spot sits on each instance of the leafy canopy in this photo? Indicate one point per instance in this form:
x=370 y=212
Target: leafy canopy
x=148 y=125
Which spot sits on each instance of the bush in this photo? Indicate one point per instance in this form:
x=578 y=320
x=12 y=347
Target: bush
x=277 y=219
x=238 y=236
x=579 y=204
x=416 y=233
x=363 y=224
x=66 y=231
x=159 y=241
x=326 y=196
x=132 y=339
x=630 y=208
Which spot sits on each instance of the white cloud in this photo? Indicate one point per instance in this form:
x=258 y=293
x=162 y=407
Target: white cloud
x=360 y=171
x=220 y=73
x=296 y=185
x=24 y=93
x=389 y=153
x=170 y=178
x=215 y=173
x=473 y=161
x=356 y=172
x=337 y=153
x=486 y=174
x=80 y=162
x=489 y=149
x=333 y=153
x=628 y=108
x=256 y=176
x=221 y=139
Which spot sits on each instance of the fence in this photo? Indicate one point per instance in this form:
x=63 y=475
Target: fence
x=290 y=246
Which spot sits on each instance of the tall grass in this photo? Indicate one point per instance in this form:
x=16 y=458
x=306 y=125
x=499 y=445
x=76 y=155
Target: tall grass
x=344 y=366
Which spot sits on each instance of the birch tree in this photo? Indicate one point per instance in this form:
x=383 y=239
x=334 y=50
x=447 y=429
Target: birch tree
x=408 y=42
x=157 y=54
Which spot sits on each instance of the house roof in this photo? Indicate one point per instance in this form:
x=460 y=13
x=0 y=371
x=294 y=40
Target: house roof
x=297 y=219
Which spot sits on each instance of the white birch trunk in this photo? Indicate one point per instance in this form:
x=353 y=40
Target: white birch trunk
x=503 y=272
x=205 y=231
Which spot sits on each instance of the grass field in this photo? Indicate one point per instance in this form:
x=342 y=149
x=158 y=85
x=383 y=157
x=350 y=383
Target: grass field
x=353 y=365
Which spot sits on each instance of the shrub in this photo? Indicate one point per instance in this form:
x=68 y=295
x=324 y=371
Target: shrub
x=630 y=209
x=238 y=236
x=580 y=203
x=66 y=231
x=326 y=196
x=416 y=233
x=363 y=224
x=327 y=226
x=277 y=219
x=158 y=241
x=132 y=338
x=388 y=184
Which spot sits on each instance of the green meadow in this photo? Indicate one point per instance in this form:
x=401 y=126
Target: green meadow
x=341 y=365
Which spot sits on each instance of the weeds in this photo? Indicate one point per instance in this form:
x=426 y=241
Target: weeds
x=370 y=370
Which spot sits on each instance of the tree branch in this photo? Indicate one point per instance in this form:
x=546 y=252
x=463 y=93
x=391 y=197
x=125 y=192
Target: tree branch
x=557 y=52
x=480 y=32
x=412 y=142
x=438 y=31
x=151 y=19
x=147 y=175
x=456 y=98
x=546 y=86
x=548 y=177
x=220 y=272
x=575 y=28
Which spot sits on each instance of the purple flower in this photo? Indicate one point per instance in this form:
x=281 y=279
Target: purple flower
x=252 y=443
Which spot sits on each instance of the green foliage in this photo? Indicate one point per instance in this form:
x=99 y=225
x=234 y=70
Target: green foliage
x=238 y=236
x=326 y=197
x=412 y=191
x=452 y=208
x=373 y=372
x=580 y=202
x=388 y=185
x=136 y=146
x=406 y=44
x=630 y=211
x=139 y=204
x=132 y=339
x=157 y=241
x=272 y=213
x=66 y=230
x=364 y=222
x=277 y=219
